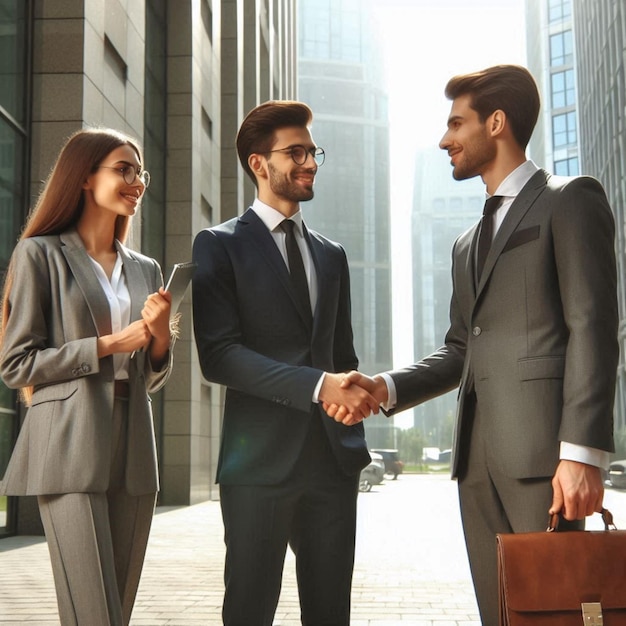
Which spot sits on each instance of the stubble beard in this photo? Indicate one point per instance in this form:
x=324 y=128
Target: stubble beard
x=281 y=186
x=477 y=154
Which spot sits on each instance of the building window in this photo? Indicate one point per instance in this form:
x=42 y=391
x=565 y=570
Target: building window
x=564 y=129
x=566 y=167
x=15 y=41
x=563 y=89
x=559 y=10
x=561 y=49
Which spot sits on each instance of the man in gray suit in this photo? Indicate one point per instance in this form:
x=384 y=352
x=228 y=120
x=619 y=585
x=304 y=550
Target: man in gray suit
x=533 y=336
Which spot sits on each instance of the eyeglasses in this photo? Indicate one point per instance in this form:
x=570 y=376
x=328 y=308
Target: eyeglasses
x=129 y=173
x=300 y=154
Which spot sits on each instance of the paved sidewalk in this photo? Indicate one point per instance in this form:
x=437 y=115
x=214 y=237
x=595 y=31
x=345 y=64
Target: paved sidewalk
x=411 y=568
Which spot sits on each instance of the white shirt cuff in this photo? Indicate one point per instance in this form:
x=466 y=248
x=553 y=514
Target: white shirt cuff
x=583 y=454
x=392 y=395
x=316 y=391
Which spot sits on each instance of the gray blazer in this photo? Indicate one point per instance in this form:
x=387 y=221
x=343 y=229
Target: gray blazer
x=536 y=339
x=58 y=310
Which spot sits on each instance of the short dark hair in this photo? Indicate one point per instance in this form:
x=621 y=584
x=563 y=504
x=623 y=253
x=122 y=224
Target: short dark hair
x=510 y=88
x=256 y=133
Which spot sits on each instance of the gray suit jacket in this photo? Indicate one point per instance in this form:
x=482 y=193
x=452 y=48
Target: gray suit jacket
x=58 y=310
x=536 y=339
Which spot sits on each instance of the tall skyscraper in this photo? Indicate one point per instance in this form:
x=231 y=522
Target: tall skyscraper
x=341 y=79
x=443 y=208
x=552 y=60
x=601 y=65
x=577 y=51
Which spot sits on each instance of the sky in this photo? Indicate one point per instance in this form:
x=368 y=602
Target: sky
x=426 y=42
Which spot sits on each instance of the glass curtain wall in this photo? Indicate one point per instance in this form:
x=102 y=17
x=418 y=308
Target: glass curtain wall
x=15 y=28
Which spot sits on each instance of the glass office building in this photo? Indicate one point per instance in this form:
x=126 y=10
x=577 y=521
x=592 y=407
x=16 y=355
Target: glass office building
x=577 y=53
x=551 y=52
x=601 y=67
x=340 y=78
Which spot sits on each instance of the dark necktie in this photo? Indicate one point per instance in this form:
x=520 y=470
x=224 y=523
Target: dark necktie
x=486 y=233
x=296 y=266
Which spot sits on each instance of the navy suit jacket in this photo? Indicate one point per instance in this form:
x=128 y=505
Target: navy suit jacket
x=253 y=338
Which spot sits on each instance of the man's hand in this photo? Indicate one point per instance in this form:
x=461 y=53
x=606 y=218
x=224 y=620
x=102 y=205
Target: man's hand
x=355 y=402
x=578 y=490
x=375 y=386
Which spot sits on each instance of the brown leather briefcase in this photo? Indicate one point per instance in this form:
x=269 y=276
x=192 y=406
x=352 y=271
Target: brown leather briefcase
x=575 y=578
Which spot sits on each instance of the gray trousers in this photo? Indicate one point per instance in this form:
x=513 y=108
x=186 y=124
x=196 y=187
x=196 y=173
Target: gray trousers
x=97 y=543
x=491 y=503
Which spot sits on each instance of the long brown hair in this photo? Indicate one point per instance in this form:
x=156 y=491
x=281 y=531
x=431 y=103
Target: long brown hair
x=61 y=201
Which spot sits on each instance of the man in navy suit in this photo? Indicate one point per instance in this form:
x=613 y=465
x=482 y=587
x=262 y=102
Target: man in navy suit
x=271 y=305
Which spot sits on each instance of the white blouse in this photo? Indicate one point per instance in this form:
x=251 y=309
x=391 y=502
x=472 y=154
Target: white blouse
x=118 y=296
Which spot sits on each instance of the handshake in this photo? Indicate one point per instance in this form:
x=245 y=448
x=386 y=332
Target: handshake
x=350 y=398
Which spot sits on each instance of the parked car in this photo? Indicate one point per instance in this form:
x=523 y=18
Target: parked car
x=393 y=464
x=445 y=456
x=373 y=474
x=617 y=474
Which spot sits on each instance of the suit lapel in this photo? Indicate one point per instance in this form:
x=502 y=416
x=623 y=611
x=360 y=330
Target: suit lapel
x=324 y=289
x=526 y=198
x=87 y=280
x=135 y=280
x=251 y=227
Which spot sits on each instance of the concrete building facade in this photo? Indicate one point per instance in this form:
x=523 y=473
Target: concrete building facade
x=178 y=75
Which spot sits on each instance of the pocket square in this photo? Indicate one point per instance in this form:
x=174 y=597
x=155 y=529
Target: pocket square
x=521 y=237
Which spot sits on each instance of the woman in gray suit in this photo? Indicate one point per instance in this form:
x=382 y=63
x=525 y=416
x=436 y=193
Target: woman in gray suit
x=86 y=337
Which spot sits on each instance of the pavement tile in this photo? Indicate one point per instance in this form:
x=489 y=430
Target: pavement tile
x=410 y=567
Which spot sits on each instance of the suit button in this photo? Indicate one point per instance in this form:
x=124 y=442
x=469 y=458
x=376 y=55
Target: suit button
x=476 y=331
x=85 y=368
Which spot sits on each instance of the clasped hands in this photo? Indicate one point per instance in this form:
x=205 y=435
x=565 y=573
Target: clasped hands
x=350 y=398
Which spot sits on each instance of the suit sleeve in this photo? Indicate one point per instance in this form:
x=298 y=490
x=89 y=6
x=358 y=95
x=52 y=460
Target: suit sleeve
x=27 y=358
x=439 y=372
x=223 y=354
x=583 y=232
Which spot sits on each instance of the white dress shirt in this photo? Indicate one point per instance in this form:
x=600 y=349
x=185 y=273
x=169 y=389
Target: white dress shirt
x=272 y=219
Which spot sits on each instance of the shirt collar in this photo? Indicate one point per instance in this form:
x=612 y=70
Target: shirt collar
x=515 y=181
x=272 y=218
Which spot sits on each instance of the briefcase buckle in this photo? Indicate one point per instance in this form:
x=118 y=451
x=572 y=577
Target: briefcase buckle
x=592 y=613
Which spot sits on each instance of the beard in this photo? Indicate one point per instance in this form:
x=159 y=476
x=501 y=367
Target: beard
x=476 y=154
x=287 y=189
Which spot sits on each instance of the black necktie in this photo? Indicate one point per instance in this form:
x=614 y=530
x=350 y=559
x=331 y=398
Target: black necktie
x=486 y=233
x=296 y=266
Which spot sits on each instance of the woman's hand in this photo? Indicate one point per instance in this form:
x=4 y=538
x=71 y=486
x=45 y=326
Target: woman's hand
x=134 y=337
x=156 y=315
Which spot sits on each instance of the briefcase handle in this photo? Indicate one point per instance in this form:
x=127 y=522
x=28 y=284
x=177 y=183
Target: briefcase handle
x=607 y=518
